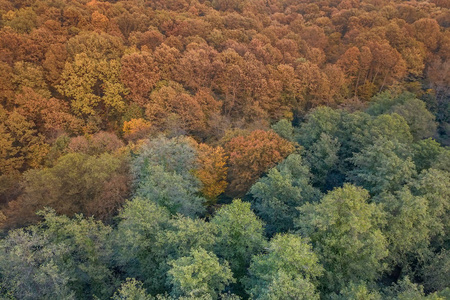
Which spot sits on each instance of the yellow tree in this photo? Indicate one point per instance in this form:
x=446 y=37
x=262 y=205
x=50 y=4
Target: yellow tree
x=93 y=86
x=212 y=171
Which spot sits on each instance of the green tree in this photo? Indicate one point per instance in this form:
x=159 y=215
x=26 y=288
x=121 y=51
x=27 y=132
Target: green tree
x=426 y=153
x=178 y=239
x=284 y=129
x=404 y=289
x=277 y=195
x=408 y=227
x=131 y=289
x=60 y=258
x=384 y=166
x=287 y=271
x=358 y=291
x=171 y=190
x=320 y=120
x=322 y=158
x=199 y=274
x=344 y=229
x=433 y=185
x=437 y=271
x=141 y=221
x=240 y=235
x=163 y=172
x=390 y=127
x=420 y=121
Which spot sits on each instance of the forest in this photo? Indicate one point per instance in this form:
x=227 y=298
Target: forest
x=225 y=149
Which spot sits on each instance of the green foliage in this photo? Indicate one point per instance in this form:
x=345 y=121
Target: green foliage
x=434 y=186
x=320 y=120
x=419 y=119
x=277 y=195
x=131 y=290
x=443 y=161
x=163 y=173
x=172 y=191
x=383 y=167
x=59 y=258
x=239 y=235
x=284 y=129
x=344 y=229
x=406 y=290
x=437 y=271
x=421 y=122
x=322 y=158
x=199 y=274
x=136 y=235
x=408 y=227
x=426 y=153
x=287 y=271
x=357 y=292
x=390 y=127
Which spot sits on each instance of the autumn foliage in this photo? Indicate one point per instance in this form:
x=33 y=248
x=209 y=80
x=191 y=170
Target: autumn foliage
x=212 y=171
x=252 y=155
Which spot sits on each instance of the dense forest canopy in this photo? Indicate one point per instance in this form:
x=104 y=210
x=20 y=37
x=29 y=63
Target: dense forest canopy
x=224 y=149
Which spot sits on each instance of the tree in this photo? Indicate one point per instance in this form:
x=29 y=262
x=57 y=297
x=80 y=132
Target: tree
x=322 y=157
x=390 y=127
x=28 y=75
x=95 y=45
x=96 y=144
x=55 y=59
x=140 y=223
x=28 y=144
x=344 y=230
x=58 y=258
x=383 y=167
x=436 y=271
x=136 y=129
x=408 y=227
x=433 y=185
x=288 y=270
x=171 y=102
x=420 y=120
x=196 y=67
x=139 y=74
x=428 y=32
x=71 y=186
x=131 y=289
x=239 y=235
x=93 y=86
x=171 y=190
x=320 y=120
x=357 y=292
x=48 y=115
x=252 y=155
x=277 y=195
x=163 y=173
x=212 y=171
x=426 y=153
x=199 y=274
x=404 y=289
x=284 y=129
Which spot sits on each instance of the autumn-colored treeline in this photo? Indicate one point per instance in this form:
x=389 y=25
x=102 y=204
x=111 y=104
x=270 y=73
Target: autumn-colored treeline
x=82 y=82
